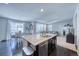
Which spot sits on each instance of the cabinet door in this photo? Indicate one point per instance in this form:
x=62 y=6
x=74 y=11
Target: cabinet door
x=43 y=49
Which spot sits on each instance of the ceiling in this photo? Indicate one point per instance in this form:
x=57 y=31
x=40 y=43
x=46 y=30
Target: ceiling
x=53 y=12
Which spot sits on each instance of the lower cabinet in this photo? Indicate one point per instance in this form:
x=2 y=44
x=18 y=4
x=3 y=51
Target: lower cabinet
x=51 y=45
x=43 y=49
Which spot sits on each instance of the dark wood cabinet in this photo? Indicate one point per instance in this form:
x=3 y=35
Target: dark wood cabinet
x=46 y=48
x=51 y=45
x=70 y=38
x=42 y=49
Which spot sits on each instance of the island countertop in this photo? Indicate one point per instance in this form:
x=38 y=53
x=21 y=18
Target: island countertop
x=37 y=38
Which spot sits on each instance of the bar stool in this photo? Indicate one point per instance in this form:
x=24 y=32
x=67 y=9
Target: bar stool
x=27 y=51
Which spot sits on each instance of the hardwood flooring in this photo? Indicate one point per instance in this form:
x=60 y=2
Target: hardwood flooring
x=62 y=48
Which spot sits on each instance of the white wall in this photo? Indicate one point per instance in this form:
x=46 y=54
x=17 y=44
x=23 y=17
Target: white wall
x=3 y=29
x=78 y=27
x=75 y=26
x=60 y=25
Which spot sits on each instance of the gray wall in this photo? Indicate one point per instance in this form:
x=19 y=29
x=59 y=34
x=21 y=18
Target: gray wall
x=3 y=28
x=58 y=26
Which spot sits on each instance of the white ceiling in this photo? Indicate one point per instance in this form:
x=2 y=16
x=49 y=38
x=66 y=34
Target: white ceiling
x=53 y=12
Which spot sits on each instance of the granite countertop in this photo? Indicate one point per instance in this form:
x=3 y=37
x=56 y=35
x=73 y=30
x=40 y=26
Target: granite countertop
x=37 y=39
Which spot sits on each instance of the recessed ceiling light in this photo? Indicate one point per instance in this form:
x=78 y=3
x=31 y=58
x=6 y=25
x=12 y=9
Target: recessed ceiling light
x=42 y=10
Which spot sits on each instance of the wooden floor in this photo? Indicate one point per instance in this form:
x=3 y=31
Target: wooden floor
x=61 y=41
x=60 y=51
x=62 y=48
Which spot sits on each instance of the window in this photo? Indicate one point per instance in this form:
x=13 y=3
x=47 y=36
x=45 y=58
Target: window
x=40 y=27
x=49 y=27
x=44 y=27
x=16 y=27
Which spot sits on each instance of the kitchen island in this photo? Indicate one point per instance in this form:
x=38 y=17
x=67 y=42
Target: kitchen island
x=42 y=44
